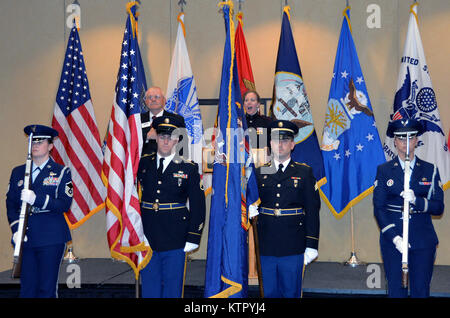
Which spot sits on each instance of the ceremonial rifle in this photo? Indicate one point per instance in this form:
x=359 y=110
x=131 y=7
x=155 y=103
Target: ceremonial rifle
x=23 y=217
x=406 y=208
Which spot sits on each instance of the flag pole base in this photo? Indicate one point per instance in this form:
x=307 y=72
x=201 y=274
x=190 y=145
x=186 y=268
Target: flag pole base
x=353 y=261
x=70 y=256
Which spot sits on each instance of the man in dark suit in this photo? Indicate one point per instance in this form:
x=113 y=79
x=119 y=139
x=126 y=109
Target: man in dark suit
x=172 y=230
x=155 y=101
x=288 y=220
x=426 y=199
x=50 y=195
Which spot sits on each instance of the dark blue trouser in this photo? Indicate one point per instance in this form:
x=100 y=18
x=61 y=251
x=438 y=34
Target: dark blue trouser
x=40 y=269
x=163 y=277
x=282 y=276
x=420 y=265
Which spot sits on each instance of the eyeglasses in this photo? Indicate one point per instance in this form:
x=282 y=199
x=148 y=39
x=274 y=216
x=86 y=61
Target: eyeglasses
x=153 y=97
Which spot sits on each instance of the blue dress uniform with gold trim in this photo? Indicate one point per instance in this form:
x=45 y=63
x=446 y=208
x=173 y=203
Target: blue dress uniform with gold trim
x=47 y=230
x=388 y=208
x=168 y=223
x=288 y=223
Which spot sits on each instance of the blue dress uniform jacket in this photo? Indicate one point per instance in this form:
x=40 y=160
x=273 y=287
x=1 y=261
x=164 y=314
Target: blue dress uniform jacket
x=388 y=204
x=166 y=228
x=46 y=222
x=294 y=188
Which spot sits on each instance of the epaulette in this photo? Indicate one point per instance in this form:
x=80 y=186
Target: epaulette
x=301 y=164
x=153 y=154
x=182 y=159
x=268 y=164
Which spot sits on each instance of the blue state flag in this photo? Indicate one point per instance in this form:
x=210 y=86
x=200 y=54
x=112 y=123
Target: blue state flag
x=234 y=184
x=290 y=101
x=351 y=146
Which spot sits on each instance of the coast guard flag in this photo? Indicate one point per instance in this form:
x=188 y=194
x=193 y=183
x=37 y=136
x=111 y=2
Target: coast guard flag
x=246 y=80
x=182 y=99
x=78 y=145
x=125 y=233
x=234 y=184
x=290 y=101
x=415 y=99
x=351 y=146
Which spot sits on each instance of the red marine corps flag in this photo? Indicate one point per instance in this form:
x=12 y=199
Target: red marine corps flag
x=246 y=81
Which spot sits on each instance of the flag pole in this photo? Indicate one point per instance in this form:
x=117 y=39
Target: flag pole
x=353 y=261
x=137 y=286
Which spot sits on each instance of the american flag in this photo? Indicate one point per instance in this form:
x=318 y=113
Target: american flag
x=125 y=232
x=78 y=145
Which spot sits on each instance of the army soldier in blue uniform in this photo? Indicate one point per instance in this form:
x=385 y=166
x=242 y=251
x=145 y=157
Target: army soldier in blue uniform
x=167 y=181
x=288 y=220
x=50 y=195
x=426 y=199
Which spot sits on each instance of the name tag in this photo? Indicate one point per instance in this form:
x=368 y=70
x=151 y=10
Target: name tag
x=145 y=125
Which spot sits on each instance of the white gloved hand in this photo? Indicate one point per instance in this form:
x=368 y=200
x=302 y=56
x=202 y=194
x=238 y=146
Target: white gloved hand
x=398 y=242
x=310 y=255
x=28 y=196
x=252 y=211
x=16 y=238
x=189 y=247
x=409 y=196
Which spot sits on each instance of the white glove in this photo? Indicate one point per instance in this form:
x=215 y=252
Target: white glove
x=409 y=196
x=28 y=196
x=189 y=247
x=398 y=242
x=252 y=211
x=310 y=255
x=16 y=238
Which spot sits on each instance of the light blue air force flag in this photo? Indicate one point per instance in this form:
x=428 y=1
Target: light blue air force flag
x=351 y=146
x=415 y=98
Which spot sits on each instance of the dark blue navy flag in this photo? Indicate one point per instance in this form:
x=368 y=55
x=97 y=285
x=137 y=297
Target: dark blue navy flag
x=290 y=101
x=351 y=146
x=234 y=184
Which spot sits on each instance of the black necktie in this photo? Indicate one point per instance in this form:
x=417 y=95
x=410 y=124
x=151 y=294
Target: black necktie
x=161 y=165
x=35 y=173
x=280 y=168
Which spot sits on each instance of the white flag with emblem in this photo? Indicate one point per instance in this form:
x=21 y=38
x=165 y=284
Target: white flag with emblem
x=182 y=99
x=415 y=98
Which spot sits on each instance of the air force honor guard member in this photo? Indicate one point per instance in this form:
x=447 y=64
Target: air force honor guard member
x=50 y=195
x=172 y=230
x=288 y=220
x=426 y=199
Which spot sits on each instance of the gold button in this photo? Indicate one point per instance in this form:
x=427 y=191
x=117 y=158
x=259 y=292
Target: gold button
x=159 y=182
x=157 y=191
x=277 y=204
x=278 y=195
x=279 y=185
x=156 y=200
